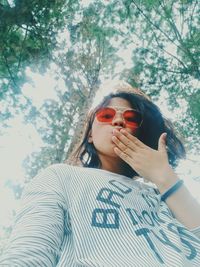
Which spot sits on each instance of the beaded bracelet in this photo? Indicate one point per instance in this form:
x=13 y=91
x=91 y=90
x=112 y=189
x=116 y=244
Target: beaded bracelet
x=171 y=190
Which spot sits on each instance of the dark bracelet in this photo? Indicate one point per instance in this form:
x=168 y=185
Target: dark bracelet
x=171 y=190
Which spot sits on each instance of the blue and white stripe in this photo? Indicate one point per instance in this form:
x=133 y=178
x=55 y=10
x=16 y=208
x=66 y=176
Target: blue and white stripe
x=54 y=225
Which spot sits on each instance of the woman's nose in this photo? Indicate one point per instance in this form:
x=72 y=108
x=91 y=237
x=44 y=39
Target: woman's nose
x=118 y=120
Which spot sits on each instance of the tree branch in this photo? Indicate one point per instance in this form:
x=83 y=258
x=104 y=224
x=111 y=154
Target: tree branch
x=10 y=73
x=181 y=47
x=191 y=16
x=184 y=48
x=154 y=25
x=22 y=47
x=185 y=67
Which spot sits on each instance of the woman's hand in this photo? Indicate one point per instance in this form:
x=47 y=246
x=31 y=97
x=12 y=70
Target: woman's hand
x=149 y=163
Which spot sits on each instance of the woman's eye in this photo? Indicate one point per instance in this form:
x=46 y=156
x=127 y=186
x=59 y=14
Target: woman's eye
x=131 y=119
x=107 y=116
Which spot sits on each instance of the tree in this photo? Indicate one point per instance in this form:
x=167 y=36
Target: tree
x=148 y=30
x=28 y=32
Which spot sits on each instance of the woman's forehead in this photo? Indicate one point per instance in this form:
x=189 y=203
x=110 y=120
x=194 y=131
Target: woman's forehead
x=118 y=102
x=119 y=107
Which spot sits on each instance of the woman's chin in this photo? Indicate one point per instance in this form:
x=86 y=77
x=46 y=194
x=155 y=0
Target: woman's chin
x=110 y=152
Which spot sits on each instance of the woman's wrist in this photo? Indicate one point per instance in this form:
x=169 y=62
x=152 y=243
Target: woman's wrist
x=175 y=187
x=167 y=180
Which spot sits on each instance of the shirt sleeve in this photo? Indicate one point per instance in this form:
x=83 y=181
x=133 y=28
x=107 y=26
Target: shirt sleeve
x=196 y=231
x=38 y=231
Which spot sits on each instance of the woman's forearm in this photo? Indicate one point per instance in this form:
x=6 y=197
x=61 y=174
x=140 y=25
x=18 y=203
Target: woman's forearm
x=183 y=205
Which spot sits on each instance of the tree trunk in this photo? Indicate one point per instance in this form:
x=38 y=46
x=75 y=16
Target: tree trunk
x=80 y=128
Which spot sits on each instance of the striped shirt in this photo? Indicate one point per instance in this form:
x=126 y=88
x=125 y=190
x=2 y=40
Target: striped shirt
x=77 y=217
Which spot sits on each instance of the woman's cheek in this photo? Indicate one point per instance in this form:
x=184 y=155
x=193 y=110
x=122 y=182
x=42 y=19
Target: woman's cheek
x=134 y=131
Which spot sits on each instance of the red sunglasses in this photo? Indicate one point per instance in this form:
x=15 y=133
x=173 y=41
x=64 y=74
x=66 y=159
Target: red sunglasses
x=132 y=117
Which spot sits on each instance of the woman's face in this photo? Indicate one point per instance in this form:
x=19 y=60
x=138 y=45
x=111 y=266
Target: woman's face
x=102 y=132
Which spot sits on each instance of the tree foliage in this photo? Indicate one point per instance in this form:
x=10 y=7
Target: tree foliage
x=90 y=43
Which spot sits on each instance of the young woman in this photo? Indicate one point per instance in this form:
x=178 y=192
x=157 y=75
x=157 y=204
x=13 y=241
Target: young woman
x=102 y=214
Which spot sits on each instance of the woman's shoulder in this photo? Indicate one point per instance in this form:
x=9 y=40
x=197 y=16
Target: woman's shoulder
x=59 y=166
x=63 y=172
x=63 y=169
x=51 y=176
x=56 y=168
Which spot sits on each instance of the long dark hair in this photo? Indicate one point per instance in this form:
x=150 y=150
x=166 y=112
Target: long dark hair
x=153 y=125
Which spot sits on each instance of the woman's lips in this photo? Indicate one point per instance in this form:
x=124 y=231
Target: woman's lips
x=113 y=133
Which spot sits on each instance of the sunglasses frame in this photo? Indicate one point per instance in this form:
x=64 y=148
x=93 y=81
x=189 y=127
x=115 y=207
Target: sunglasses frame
x=116 y=109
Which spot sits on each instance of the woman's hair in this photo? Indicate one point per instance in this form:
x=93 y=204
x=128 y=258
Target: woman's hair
x=153 y=125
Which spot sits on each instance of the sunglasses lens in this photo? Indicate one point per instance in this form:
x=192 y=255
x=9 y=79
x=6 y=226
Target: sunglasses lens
x=132 y=118
x=105 y=114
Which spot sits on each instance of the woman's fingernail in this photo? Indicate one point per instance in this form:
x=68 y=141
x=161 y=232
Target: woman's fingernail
x=115 y=130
